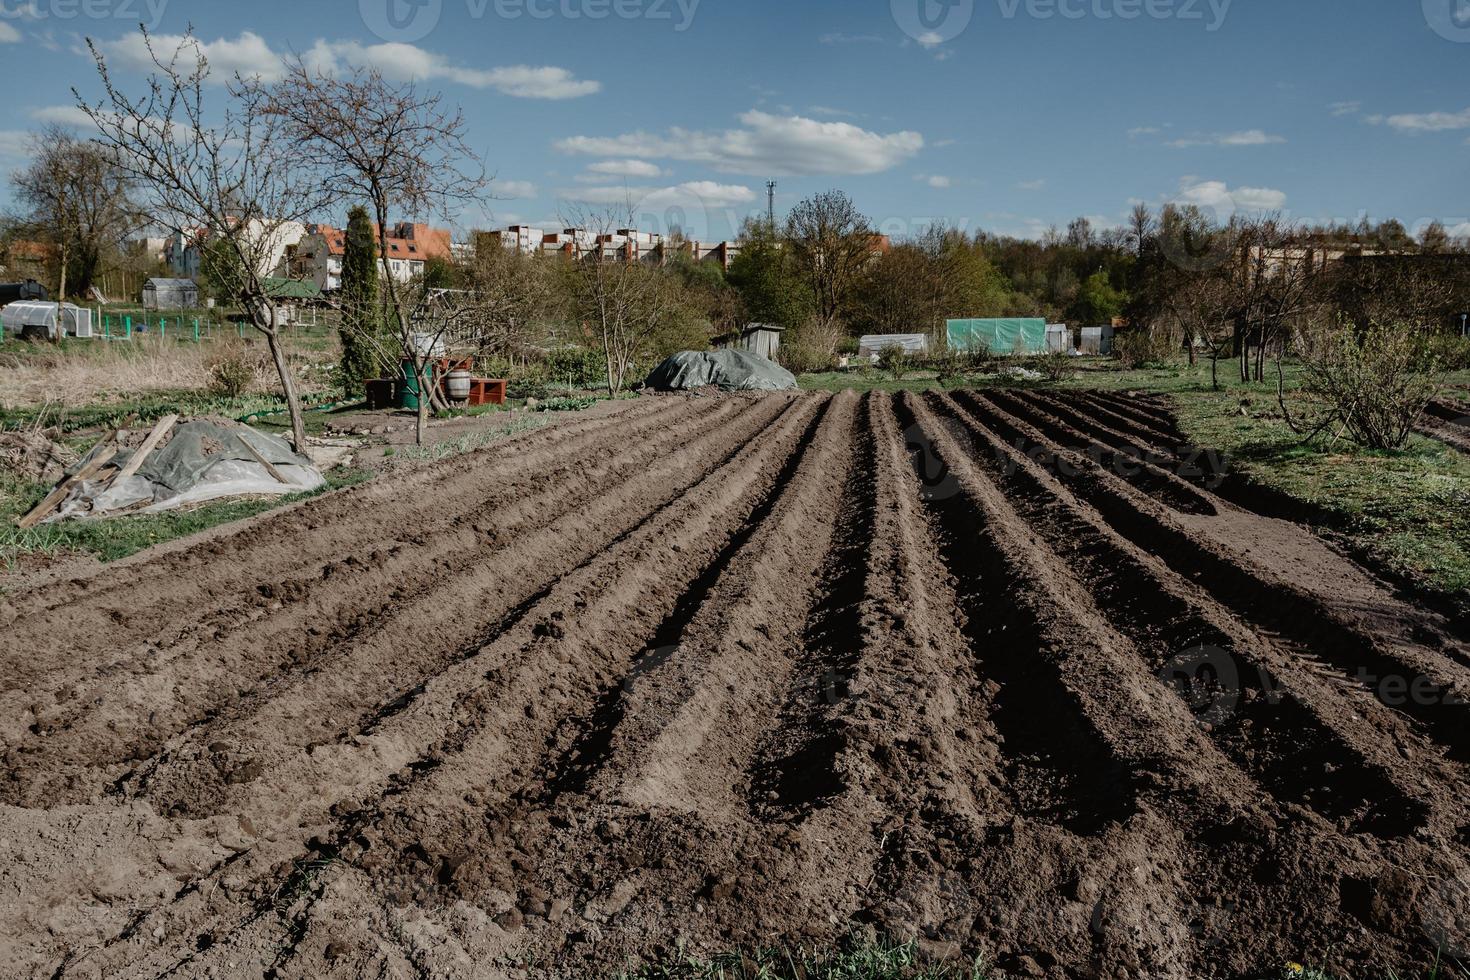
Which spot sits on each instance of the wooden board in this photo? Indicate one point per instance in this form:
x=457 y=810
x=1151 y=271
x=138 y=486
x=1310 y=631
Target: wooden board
x=269 y=466
x=151 y=443
x=53 y=499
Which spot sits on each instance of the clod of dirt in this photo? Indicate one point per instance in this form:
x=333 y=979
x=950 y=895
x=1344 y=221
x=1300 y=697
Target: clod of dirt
x=33 y=457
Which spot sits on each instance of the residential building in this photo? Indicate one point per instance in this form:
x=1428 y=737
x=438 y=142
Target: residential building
x=273 y=243
x=408 y=247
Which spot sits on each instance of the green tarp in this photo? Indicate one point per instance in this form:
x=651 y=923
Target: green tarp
x=1000 y=337
x=731 y=370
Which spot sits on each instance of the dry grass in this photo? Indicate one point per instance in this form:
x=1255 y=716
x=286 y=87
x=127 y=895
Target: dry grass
x=93 y=373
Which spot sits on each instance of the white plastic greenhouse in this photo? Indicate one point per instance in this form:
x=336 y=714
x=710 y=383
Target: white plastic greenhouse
x=38 y=317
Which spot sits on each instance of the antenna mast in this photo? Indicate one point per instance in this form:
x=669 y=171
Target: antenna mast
x=771 y=202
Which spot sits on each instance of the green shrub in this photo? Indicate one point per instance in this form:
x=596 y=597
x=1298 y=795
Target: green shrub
x=1139 y=348
x=575 y=367
x=1452 y=352
x=799 y=357
x=893 y=359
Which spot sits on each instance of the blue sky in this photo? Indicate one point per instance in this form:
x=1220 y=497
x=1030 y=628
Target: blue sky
x=1010 y=115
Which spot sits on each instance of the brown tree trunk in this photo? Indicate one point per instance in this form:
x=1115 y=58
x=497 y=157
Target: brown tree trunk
x=288 y=387
x=60 y=300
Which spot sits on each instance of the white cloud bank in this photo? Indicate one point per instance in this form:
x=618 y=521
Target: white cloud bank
x=1425 y=122
x=766 y=144
x=1219 y=197
x=694 y=193
x=1248 y=137
x=251 y=56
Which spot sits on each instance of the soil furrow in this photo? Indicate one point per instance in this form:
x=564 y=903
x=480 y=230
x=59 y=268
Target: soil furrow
x=474 y=728
x=1421 y=683
x=246 y=675
x=148 y=626
x=1255 y=717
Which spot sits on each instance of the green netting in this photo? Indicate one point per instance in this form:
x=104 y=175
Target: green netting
x=1001 y=337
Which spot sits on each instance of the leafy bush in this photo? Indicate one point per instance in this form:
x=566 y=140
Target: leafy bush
x=799 y=357
x=575 y=367
x=1056 y=365
x=1453 y=352
x=893 y=359
x=1139 y=348
x=1370 y=385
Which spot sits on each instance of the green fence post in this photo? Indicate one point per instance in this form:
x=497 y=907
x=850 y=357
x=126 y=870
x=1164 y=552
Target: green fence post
x=196 y=330
x=128 y=326
x=162 y=327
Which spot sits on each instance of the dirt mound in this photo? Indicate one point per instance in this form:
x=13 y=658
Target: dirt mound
x=1000 y=671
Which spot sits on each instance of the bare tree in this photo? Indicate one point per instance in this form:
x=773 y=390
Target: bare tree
x=236 y=174
x=397 y=148
x=512 y=293
x=832 y=243
x=1275 y=285
x=76 y=197
x=625 y=303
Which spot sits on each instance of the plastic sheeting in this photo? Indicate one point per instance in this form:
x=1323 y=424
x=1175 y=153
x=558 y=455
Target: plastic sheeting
x=912 y=343
x=729 y=370
x=202 y=461
x=1000 y=337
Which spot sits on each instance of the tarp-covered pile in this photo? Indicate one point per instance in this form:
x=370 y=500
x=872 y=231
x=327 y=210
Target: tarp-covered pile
x=728 y=370
x=202 y=460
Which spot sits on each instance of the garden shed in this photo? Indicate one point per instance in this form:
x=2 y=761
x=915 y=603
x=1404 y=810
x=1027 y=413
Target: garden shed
x=170 y=294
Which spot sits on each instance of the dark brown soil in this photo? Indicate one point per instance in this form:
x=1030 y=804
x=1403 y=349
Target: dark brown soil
x=999 y=671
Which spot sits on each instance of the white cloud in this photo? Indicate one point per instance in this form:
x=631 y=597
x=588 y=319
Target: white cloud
x=63 y=115
x=1031 y=185
x=930 y=39
x=824 y=110
x=247 y=54
x=767 y=145
x=1345 y=108
x=405 y=62
x=8 y=33
x=625 y=168
x=937 y=181
x=1217 y=196
x=250 y=55
x=696 y=193
x=15 y=145
x=1249 y=137
x=1138 y=131
x=513 y=188
x=1425 y=122
x=840 y=38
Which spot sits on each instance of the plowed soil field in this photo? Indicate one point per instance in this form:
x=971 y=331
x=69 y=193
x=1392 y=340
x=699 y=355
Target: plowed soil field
x=1011 y=672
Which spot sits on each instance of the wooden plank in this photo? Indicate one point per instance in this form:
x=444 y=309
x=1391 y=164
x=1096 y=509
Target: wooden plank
x=159 y=431
x=53 y=499
x=269 y=466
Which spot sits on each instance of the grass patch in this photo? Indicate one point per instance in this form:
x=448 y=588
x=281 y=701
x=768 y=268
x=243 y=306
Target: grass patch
x=467 y=443
x=1408 y=509
x=145 y=409
x=109 y=539
x=861 y=961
